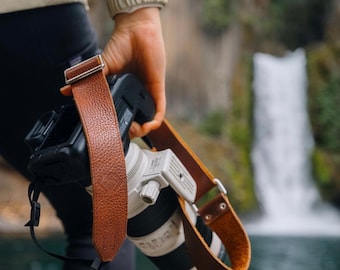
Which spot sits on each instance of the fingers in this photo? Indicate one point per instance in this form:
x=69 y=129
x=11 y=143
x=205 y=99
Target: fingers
x=118 y=53
x=137 y=130
x=136 y=46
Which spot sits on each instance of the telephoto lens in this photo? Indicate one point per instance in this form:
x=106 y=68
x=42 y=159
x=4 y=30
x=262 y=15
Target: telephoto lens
x=154 y=220
x=155 y=226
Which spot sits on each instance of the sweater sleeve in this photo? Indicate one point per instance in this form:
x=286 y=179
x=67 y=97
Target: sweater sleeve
x=128 y=6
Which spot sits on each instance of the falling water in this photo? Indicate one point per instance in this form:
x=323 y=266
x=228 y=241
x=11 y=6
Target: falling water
x=281 y=152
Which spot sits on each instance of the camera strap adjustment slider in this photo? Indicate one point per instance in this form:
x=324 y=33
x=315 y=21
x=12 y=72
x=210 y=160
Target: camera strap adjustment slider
x=80 y=71
x=86 y=71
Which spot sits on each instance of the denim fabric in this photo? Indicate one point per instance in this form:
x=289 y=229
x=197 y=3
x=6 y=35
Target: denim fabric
x=36 y=46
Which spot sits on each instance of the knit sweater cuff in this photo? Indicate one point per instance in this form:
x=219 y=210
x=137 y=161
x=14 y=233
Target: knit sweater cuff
x=128 y=6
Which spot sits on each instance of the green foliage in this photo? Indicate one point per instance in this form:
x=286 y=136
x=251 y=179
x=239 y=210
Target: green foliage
x=324 y=109
x=289 y=24
x=326 y=172
x=214 y=123
x=240 y=117
x=321 y=171
x=328 y=116
x=216 y=15
x=239 y=133
x=297 y=22
x=324 y=97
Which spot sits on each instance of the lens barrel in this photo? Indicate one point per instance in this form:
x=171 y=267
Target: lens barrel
x=157 y=230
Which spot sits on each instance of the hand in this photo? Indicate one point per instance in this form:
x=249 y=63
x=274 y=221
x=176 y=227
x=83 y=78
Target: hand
x=137 y=46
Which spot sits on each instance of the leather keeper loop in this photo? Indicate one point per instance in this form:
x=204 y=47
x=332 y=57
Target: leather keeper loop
x=214 y=209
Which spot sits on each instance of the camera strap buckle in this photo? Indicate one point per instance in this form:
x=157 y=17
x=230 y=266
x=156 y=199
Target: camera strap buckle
x=220 y=186
x=222 y=190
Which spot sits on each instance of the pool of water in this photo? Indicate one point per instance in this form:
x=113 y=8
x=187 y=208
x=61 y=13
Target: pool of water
x=268 y=253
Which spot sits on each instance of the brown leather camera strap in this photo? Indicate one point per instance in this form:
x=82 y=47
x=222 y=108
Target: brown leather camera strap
x=218 y=214
x=88 y=85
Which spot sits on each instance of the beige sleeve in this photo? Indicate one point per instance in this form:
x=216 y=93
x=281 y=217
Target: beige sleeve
x=128 y=6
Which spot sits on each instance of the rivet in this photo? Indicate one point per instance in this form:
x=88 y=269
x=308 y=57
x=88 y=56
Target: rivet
x=223 y=206
x=208 y=217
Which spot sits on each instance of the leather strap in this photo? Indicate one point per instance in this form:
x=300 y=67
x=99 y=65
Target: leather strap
x=91 y=93
x=94 y=103
x=218 y=214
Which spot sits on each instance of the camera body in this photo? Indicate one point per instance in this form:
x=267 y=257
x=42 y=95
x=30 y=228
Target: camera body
x=155 y=179
x=57 y=142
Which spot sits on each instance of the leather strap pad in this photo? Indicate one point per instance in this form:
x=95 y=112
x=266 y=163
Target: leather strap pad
x=218 y=214
x=99 y=120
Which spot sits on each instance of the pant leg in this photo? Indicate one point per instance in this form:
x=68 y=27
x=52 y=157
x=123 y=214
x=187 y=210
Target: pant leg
x=35 y=48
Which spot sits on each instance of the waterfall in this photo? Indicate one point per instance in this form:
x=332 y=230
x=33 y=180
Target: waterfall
x=290 y=202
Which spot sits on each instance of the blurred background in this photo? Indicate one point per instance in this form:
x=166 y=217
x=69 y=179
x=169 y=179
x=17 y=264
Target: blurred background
x=253 y=88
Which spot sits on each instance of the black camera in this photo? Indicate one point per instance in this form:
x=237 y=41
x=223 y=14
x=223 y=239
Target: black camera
x=155 y=179
x=57 y=142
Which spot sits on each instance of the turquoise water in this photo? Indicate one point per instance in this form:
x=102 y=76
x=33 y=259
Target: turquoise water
x=269 y=252
x=295 y=253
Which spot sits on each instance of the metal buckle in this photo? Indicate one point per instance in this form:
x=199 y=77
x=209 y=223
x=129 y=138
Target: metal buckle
x=86 y=73
x=220 y=188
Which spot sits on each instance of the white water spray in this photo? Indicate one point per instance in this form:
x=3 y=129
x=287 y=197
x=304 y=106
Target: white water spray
x=281 y=152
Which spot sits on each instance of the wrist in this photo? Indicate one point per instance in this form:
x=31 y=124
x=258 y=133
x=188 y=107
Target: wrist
x=116 y=7
x=144 y=17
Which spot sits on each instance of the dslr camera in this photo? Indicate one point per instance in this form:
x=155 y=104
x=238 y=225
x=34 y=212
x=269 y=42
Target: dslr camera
x=155 y=179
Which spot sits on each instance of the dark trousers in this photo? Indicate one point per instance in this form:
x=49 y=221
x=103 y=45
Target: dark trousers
x=36 y=46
